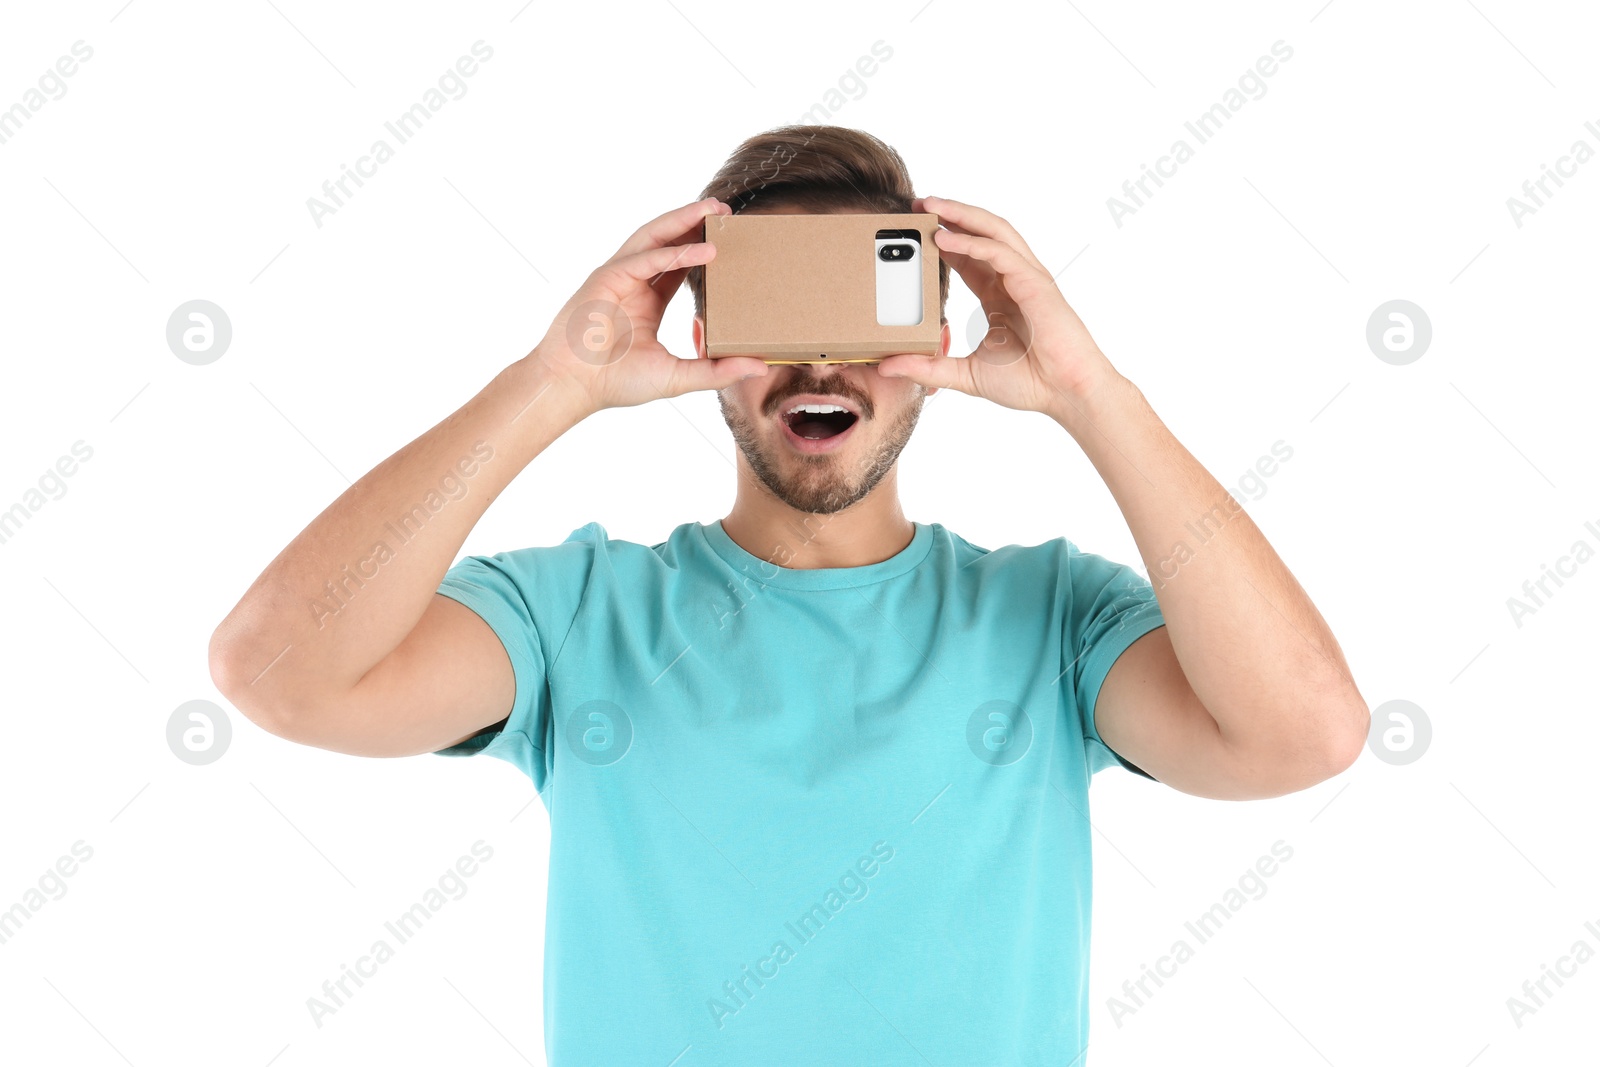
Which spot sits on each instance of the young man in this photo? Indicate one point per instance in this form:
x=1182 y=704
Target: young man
x=817 y=774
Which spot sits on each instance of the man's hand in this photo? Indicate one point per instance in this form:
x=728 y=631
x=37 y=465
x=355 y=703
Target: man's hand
x=1225 y=700
x=392 y=667
x=1037 y=355
x=602 y=346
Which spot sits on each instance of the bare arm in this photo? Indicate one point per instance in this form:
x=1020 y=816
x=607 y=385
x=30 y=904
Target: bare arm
x=327 y=642
x=1244 y=692
x=346 y=645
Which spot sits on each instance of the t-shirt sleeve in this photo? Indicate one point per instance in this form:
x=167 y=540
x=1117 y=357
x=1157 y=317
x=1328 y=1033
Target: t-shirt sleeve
x=1112 y=606
x=489 y=585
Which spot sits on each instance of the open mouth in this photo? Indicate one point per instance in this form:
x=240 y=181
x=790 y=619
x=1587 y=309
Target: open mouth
x=818 y=422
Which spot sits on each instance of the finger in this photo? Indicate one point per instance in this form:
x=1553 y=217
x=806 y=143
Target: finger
x=692 y=374
x=978 y=276
x=981 y=278
x=997 y=254
x=975 y=220
x=667 y=284
x=970 y=219
x=945 y=220
x=672 y=227
x=932 y=372
x=644 y=266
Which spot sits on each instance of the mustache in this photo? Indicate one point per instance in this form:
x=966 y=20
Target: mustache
x=836 y=386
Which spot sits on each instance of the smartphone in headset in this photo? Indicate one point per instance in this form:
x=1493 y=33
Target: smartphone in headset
x=899 y=277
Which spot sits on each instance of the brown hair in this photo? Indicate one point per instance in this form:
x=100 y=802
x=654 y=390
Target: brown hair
x=818 y=168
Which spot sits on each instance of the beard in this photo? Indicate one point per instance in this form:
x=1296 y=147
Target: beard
x=822 y=484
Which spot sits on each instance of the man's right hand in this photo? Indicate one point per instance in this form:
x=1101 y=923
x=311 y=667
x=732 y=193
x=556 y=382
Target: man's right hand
x=602 y=346
x=327 y=650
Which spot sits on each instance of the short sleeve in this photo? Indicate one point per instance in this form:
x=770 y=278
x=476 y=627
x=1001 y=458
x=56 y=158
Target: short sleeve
x=489 y=586
x=1112 y=606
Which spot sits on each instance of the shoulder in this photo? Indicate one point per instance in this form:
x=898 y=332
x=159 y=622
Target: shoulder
x=1045 y=558
x=577 y=550
x=589 y=553
x=591 y=540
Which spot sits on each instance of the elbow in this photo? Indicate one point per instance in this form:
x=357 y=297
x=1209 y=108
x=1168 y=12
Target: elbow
x=1324 y=746
x=1335 y=745
x=234 y=676
x=1346 y=725
x=1350 y=742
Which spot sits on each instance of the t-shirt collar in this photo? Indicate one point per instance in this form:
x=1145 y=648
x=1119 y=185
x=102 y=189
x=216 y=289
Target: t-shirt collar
x=773 y=573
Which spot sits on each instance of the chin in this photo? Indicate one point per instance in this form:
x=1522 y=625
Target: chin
x=822 y=476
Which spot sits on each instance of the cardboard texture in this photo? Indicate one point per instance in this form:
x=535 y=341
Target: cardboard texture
x=804 y=288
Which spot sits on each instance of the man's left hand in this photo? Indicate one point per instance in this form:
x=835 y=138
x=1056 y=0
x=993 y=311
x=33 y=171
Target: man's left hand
x=1037 y=355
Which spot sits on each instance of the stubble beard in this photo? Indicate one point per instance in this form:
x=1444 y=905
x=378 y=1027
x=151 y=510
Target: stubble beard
x=826 y=483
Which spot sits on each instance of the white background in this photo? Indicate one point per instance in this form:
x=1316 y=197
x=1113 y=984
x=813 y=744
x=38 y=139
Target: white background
x=1377 y=166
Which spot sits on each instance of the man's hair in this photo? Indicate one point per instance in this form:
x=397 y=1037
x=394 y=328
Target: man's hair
x=817 y=169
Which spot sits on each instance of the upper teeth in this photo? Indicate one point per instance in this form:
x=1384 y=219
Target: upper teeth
x=816 y=409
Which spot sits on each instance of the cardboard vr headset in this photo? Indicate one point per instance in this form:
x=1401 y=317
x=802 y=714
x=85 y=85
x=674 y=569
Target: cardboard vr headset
x=822 y=288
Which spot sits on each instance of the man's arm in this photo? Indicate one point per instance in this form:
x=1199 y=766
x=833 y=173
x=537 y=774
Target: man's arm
x=1244 y=692
x=383 y=665
x=343 y=646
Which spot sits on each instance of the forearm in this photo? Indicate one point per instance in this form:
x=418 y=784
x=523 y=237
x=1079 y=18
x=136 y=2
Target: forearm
x=1252 y=646
x=349 y=588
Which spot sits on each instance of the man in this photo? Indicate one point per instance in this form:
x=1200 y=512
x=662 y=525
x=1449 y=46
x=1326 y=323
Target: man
x=817 y=774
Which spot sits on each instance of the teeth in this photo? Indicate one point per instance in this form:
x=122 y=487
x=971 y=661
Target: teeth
x=816 y=409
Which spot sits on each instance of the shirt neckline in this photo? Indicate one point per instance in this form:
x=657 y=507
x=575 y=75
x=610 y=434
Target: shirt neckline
x=771 y=573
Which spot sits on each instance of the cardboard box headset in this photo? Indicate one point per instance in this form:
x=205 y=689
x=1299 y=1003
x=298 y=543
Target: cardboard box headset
x=822 y=288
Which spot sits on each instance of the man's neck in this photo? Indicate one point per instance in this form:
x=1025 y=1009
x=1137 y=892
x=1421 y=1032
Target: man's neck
x=869 y=531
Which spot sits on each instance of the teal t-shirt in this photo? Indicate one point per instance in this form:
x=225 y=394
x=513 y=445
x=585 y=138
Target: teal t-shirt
x=833 y=816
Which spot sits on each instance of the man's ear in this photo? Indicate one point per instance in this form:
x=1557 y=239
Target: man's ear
x=698 y=331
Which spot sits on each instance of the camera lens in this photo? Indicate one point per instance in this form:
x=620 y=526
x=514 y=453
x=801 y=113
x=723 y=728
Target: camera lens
x=892 y=253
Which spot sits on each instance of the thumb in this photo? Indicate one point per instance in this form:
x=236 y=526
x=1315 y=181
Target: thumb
x=931 y=372
x=719 y=373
